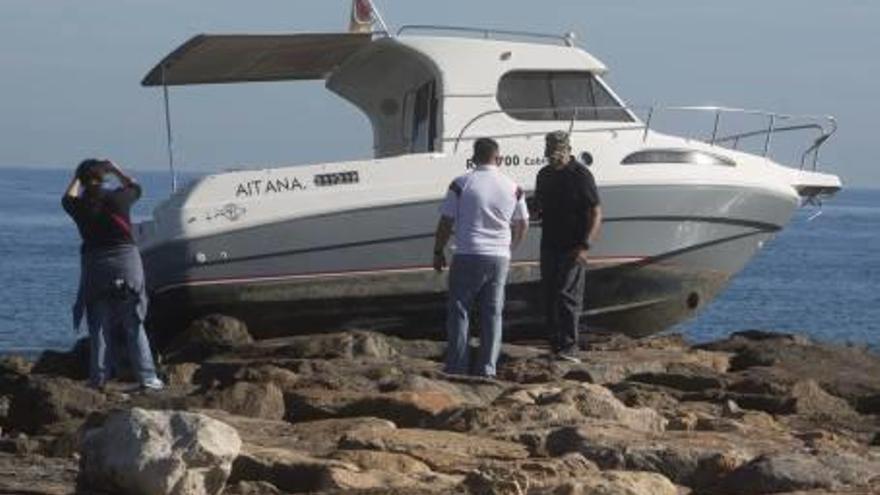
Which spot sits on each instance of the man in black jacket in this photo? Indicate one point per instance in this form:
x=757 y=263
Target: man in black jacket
x=567 y=202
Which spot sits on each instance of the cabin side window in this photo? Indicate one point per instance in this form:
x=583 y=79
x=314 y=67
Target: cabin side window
x=558 y=95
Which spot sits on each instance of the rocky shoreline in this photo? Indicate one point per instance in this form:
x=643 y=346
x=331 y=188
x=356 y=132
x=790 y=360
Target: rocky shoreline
x=361 y=412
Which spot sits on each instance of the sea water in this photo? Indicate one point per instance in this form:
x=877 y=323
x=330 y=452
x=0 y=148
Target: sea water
x=819 y=277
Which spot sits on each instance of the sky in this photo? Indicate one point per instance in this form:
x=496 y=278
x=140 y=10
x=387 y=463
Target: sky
x=70 y=73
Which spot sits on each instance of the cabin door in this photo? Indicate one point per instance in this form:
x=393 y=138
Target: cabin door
x=422 y=115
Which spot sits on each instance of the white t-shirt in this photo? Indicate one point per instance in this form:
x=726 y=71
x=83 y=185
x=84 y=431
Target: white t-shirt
x=483 y=204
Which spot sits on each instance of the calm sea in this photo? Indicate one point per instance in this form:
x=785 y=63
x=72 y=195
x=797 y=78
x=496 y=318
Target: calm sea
x=820 y=277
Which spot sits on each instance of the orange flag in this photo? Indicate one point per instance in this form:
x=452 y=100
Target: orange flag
x=362 y=17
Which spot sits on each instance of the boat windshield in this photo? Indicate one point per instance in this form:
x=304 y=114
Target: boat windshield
x=558 y=95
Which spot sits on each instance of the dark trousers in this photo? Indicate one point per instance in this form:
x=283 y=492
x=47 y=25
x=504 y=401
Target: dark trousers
x=563 y=280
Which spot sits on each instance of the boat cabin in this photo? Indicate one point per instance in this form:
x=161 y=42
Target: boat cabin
x=422 y=93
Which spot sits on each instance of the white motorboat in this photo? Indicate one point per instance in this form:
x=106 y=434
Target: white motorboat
x=313 y=247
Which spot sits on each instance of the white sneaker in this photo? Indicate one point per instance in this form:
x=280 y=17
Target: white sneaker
x=153 y=384
x=569 y=355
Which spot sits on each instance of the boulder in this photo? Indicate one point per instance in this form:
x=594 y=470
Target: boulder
x=810 y=399
x=606 y=367
x=777 y=474
x=20 y=444
x=694 y=458
x=523 y=410
x=686 y=378
x=288 y=470
x=596 y=401
x=528 y=476
x=824 y=441
x=40 y=401
x=787 y=472
x=226 y=370
x=464 y=389
x=379 y=460
x=181 y=374
x=683 y=421
x=346 y=345
x=13 y=366
x=73 y=364
x=869 y=404
x=158 y=452
x=404 y=408
x=635 y=394
x=849 y=372
x=252 y=488
x=267 y=373
x=537 y=369
x=256 y=400
x=207 y=336
x=528 y=395
x=620 y=483
x=216 y=330
x=297 y=472
x=507 y=420
x=850 y=468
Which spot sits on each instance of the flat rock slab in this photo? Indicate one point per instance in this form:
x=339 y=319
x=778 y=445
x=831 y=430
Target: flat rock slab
x=443 y=451
x=36 y=475
x=316 y=437
x=849 y=372
x=789 y=472
x=607 y=367
x=692 y=458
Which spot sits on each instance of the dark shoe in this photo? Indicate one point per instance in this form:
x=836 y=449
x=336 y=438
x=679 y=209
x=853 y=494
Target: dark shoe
x=98 y=387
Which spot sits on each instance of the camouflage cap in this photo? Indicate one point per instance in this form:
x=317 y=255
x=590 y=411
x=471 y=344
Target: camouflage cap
x=558 y=140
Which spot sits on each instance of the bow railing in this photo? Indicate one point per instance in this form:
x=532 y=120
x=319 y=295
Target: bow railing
x=824 y=126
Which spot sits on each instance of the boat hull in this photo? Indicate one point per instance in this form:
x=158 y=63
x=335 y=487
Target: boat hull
x=665 y=252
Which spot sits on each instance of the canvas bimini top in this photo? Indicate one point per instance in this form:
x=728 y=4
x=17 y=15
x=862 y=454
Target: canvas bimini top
x=234 y=58
x=419 y=91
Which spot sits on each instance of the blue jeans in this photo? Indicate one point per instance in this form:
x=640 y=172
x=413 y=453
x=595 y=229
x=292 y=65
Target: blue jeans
x=474 y=277
x=117 y=314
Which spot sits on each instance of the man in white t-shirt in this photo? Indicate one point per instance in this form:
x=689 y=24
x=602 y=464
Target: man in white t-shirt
x=488 y=213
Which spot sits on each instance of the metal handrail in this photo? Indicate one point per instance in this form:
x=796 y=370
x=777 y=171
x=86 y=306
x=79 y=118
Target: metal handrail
x=817 y=143
x=635 y=124
x=772 y=129
x=485 y=33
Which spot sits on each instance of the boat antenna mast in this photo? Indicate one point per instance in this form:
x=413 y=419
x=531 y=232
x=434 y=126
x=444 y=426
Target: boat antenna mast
x=169 y=136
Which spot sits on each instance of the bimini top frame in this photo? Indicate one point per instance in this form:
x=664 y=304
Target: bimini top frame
x=567 y=39
x=232 y=58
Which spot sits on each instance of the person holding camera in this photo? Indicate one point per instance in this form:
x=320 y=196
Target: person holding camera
x=112 y=292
